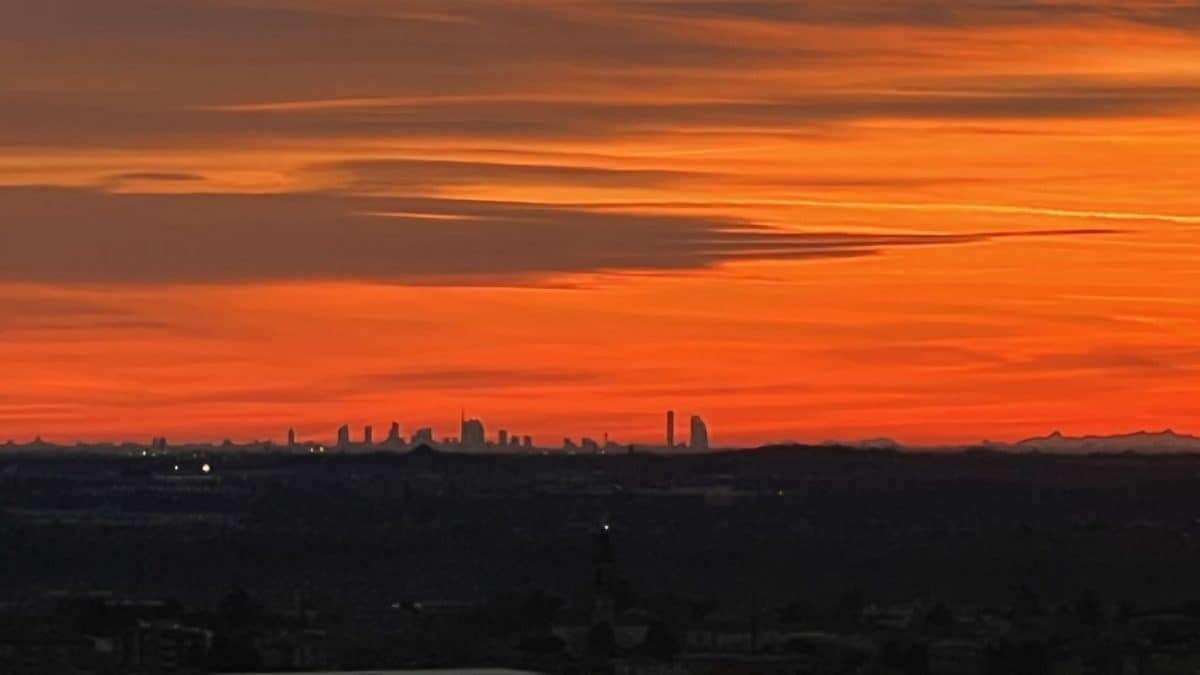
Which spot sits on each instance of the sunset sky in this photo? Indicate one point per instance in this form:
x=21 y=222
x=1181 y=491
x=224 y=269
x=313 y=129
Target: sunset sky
x=935 y=221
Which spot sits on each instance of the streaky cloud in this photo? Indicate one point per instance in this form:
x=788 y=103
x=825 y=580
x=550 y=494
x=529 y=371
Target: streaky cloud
x=998 y=209
x=77 y=235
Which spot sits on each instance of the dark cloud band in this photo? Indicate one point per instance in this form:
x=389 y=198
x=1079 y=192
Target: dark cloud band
x=73 y=235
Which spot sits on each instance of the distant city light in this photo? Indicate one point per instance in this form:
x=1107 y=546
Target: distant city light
x=176 y=467
x=206 y=468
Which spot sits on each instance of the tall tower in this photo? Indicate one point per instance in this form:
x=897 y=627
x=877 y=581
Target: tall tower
x=604 y=577
x=670 y=429
x=502 y=437
x=343 y=436
x=699 y=434
x=291 y=438
x=368 y=435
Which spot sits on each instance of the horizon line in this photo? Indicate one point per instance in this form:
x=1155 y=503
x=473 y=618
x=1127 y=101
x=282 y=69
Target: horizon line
x=877 y=442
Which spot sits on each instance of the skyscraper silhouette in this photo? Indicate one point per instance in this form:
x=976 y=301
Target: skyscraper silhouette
x=472 y=434
x=699 y=440
x=368 y=435
x=670 y=429
x=291 y=438
x=343 y=436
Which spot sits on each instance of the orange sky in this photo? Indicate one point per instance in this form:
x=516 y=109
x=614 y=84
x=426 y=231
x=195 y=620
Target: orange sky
x=938 y=222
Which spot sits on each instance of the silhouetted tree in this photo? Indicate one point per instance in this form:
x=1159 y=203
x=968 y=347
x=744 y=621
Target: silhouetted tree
x=602 y=641
x=233 y=652
x=540 y=608
x=544 y=643
x=660 y=642
x=910 y=659
x=1026 y=603
x=850 y=607
x=233 y=638
x=1026 y=658
x=238 y=610
x=1088 y=609
x=940 y=616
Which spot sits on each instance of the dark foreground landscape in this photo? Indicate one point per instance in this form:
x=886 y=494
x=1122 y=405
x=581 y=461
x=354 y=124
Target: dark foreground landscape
x=775 y=560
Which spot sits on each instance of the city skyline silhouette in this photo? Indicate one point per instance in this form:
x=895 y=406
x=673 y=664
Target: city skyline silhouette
x=811 y=221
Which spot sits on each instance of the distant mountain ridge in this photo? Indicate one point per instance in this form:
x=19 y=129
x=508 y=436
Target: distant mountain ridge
x=1140 y=441
x=867 y=444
